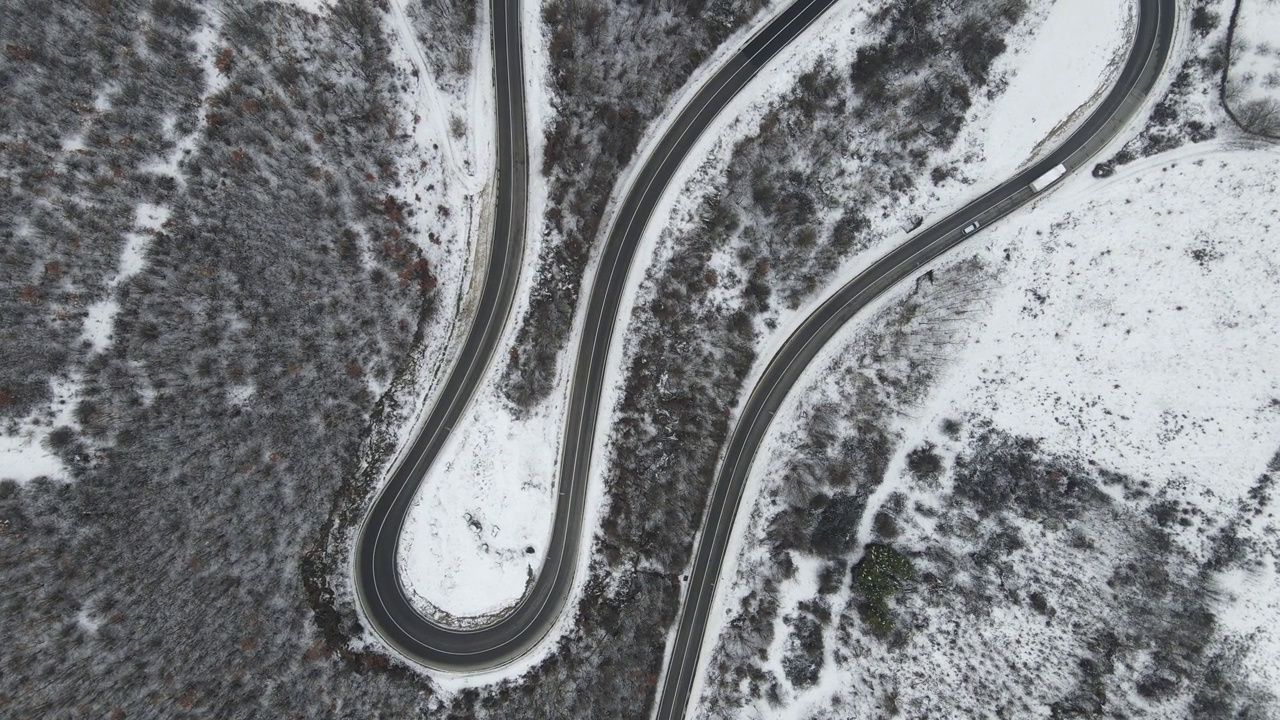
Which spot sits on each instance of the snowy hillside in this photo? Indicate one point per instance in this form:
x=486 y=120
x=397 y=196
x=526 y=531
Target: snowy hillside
x=481 y=520
x=1064 y=497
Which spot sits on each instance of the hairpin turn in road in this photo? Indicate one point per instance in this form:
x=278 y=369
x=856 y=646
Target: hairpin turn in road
x=381 y=594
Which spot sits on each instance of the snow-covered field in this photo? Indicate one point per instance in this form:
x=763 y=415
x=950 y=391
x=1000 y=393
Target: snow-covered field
x=23 y=455
x=1157 y=288
x=481 y=520
x=1134 y=329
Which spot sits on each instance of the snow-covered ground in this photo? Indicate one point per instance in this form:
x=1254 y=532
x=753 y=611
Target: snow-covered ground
x=494 y=471
x=481 y=521
x=1134 y=327
x=1255 y=56
x=497 y=470
x=1063 y=83
x=24 y=454
x=469 y=156
x=1053 y=78
x=1155 y=348
x=97 y=327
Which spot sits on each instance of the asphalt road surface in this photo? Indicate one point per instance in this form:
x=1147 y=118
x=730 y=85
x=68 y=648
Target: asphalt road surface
x=377 y=581
x=1151 y=44
x=380 y=591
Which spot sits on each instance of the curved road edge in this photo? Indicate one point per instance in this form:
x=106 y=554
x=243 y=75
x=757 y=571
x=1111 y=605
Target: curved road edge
x=381 y=595
x=379 y=591
x=1151 y=45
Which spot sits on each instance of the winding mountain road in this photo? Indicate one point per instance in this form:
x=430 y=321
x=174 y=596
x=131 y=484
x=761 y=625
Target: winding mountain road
x=381 y=594
x=378 y=585
x=1151 y=44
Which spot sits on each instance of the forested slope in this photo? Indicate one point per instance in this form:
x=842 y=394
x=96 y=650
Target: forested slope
x=613 y=68
x=212 y=423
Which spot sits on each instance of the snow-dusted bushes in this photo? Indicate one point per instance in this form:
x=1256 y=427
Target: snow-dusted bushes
x=798 y=193
x=823 y=494
x=80 y=116
x=446 y=33
x=1188 y=111
x=218 y=419
x=613 y=67
x=1251 y=83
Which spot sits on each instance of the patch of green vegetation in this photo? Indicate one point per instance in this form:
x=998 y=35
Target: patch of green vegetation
x=877 y=577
